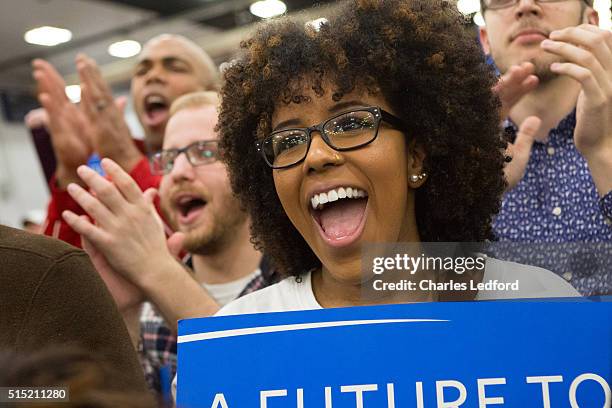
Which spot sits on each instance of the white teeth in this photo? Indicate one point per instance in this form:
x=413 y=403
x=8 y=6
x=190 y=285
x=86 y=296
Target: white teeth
x=155 y=99
x=314 y=201
x=318 y=200
x=184 y=200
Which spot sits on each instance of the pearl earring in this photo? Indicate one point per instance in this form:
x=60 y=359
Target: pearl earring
x=417 y=177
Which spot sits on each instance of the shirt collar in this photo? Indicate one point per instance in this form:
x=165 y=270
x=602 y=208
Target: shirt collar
x=565 y=127
x=267 y=271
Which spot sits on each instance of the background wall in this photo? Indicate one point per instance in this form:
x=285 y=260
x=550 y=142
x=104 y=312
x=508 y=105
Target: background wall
x=22 y=182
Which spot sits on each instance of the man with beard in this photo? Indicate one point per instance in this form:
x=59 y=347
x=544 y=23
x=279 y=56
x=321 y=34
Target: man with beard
x=168 y=67
x=128 y=244
x=557 y=74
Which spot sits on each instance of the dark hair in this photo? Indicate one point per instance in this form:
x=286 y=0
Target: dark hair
x=90 y=381
x=427 y=66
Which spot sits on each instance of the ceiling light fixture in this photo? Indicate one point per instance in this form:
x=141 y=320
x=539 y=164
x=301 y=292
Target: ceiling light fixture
x=124 y=49
x=268 y=8
x=479 y=19
x=47 y=36
x=468 y=6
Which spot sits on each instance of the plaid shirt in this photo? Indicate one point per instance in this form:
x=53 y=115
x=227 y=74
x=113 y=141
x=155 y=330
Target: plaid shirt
x=157 y=348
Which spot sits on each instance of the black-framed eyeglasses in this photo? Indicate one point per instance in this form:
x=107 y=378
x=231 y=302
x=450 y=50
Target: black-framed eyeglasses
x=198 y=153
x=346 y=131
x=502 y=4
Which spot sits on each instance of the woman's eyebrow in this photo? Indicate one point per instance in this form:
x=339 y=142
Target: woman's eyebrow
x=347 y=104
x=336 y=108
x=286 y=123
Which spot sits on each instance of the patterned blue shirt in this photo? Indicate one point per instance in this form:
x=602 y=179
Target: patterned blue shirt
x=556 y=215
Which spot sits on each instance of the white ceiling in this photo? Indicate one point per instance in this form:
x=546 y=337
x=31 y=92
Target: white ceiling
x=91 y=21
x=88 y=20
x=83 y=17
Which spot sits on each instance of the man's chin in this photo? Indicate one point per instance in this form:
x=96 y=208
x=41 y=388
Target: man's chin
x=154 y=136
x=196 y=241
x=541 y=65
x=542 y=68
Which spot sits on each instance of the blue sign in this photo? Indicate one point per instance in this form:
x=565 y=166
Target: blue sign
x=429 y=355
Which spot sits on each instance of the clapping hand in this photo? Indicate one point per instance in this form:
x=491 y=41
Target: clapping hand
x=111 y=134
x=69 y=128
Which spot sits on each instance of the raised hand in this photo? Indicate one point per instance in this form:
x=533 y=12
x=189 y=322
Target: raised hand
x=36 y=118
x=514 y=84
x=128 y=231
x=111 y=135
x=126 y=294
x=518 y=81
x=130 y=236
x=520 y=151
x=587 y=51
x=70 y=133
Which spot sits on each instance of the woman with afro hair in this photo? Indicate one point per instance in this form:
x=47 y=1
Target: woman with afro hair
x=377 y=126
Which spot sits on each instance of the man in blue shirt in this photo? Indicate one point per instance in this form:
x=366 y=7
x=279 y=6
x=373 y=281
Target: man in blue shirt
x=557 y=84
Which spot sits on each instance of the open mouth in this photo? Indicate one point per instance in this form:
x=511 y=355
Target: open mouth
x=156 y=110
x=189 y=208
x=340 y=214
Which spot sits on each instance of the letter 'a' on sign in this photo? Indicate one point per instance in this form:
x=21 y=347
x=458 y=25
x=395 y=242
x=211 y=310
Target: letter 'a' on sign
x=219 y=402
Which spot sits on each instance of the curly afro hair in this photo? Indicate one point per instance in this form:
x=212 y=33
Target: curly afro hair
x=416 y=54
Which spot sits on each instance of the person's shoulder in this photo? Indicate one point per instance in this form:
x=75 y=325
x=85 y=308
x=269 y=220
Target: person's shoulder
x=15 y=242
x=533 y=281
x=29 y=259
x=279 y=297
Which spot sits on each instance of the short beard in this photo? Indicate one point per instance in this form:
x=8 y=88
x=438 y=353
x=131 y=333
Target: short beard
x=202 y=243
x=543 y=72
x=212 y=242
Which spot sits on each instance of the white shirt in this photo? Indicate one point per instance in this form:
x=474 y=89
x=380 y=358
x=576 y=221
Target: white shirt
x=289 y=294
x=223 y=293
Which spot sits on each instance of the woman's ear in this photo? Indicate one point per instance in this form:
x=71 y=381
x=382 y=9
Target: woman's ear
x=416 y=160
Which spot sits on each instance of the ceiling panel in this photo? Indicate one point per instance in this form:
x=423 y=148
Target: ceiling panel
x=97 y=23
x=164 y=7
x=85 y=18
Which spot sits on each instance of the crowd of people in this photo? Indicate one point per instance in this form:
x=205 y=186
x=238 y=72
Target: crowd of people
x=256 y=188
